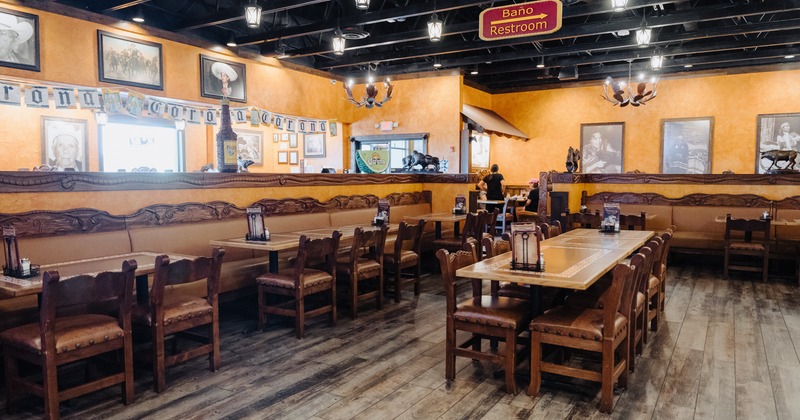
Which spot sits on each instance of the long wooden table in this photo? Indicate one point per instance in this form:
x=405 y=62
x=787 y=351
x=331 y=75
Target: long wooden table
x=438 y=218
x=145 y=261
x=290 y=240
x=573 y=260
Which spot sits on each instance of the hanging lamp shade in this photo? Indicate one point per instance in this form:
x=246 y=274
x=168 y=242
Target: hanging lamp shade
x=656 y=62
x=362 y=4
x=643 y=36
x=435 y=28
x=252 y=15
x=618 y=5
x=338 y=42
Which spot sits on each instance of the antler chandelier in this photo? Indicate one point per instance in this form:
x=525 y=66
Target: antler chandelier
x=370 y=98
x=623 y=93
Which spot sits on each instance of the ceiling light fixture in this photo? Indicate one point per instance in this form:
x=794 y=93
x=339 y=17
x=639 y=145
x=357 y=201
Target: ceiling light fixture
x=280 y=49
x=369 y=99
x=435 y=28
x=231 y=40
x=138 y=17
x=252 y=14
x=790 y=56
x=643 y=34
x=540 y=64
x=474 y=72
x=618 y=5
x=624 y=97
x=656 y=62
x=362 y=4
x=687 y=66
x=338 y=42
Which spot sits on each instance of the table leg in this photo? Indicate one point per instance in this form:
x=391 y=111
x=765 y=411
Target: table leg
x=142 y=290
x=536 y=300
x=457 y=229
x=273 y=261
x=438 y=234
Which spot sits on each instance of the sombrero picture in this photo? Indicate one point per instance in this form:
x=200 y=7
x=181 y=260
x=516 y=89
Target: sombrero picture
x=24 y=30
x=218 y=68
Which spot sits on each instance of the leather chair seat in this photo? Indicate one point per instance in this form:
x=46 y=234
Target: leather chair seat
x=311 y=278
x=366 y=267
x=514 y=290
x=495 y=311
x=71 y=333
x=176 y=308
x=747 y=246
x=406 y=258
x=585 y=323
x=653 y=285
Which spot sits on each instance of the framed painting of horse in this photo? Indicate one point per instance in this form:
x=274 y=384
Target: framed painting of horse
x=778 y=142
x=686 y=145
x=128 y=61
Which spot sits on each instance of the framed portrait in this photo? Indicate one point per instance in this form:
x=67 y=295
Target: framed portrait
x=601 y=147
x=276 y=137
x=686 y=145
x=776 y=132
x=294 y=157
x=19 y=48
x=129 y=61
x=64 y=143
x=283 y=157
x=219 y=78
x=478 y=151
x=292 y=140
x=250 y=146
x=314 y=145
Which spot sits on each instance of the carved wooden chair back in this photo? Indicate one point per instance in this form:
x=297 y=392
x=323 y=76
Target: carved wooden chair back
x=633 y=221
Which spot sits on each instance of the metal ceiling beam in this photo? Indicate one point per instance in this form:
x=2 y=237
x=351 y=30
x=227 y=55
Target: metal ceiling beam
x=113 y=6
x=573 y=31
x=237 y=13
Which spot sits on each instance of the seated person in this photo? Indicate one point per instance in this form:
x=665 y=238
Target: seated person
x=530 y=212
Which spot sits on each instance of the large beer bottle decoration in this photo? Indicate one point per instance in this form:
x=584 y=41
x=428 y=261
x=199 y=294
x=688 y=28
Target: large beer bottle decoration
x=227 y=149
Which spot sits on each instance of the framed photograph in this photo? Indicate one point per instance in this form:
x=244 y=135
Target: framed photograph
x=314 y=145
x=283 y=157
x=776 y=132
x=276 y=137
x=284 y=136
x=479 y=151
x=686 y=145
x=19 y=48
x=294 y=157
x=219 y=78
x=129 y=61
x=333 y=129
x=64 y=143
x=250 y=146
x=601 y=147
x=292 y=140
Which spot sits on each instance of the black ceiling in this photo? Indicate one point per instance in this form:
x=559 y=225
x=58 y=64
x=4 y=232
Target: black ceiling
x=706 y=35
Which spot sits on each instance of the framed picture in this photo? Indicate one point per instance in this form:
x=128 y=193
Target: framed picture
x=20 y=47
x=293 y=140
x=129 y=61
x=776 y=132
x=294 y=157
x=219 y=78
x=314 y=145
x=479 y=151
x=276 y=137
x=250 y=146
x=284 y=136
x=601 y=146
x=686 y=145
x=64 y=143
x=283 y=157
x=333 y=128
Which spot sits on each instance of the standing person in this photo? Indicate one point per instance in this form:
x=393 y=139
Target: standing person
x=12 y=35
x=495 y=186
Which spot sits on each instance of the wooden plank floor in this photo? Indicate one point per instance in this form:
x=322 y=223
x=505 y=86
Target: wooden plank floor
x=724 y=350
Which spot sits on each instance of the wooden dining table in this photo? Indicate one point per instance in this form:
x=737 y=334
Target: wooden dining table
x=438 y=218
x=145 y=265
x=573 y=260
x=289 y=241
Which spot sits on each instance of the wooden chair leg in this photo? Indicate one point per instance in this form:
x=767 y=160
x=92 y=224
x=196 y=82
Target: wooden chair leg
x=300 y=317
x=127 y=386
x=645 y=317
x=417 y=276
x=450 y=357
x=765 y=274
x=262 y=316
x=354 y=296
x=397 y=279
x=511 y=361
x=607 y=377
x=12 y=373
x=536 y=360
x=631 y=344
x=725 y=265
x=214 y=359
x=380 y=291
x=50 y=388
x=657 y=313
x=159 y=363
x=626 y=356
x=333 y=303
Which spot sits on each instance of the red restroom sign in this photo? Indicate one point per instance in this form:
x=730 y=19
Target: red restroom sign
x=517 y=20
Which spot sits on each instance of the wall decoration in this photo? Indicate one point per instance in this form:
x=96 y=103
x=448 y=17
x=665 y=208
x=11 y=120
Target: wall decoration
x=333 y=129
x=250 y=146
x=64 y=143
x=20 y=48
x=479 y=151
x=294 y=157
x=276 y=137
x=686 y=145
x=219 y=78
x=776 y=132
x=283 y=157
x=292 y=140
x=601 y=146
x=284 y=136
x=129 y=61
x=314 y=145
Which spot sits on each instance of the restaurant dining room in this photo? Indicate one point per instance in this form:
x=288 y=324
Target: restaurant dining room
x=435 y=209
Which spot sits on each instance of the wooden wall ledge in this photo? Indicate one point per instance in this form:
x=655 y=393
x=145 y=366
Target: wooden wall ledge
x=46 y=223
x=18 y=182
x=716 y=179
x=723 y=200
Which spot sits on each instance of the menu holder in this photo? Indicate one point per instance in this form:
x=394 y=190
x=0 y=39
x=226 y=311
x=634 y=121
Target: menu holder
x=383 y=213
x=256 y=230
x=14 y=265
x=610 y=222
x=461 y=204
x=525 y=247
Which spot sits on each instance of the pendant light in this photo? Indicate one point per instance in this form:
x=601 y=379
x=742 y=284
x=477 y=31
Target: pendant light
x=362 y=4
x=252 y=14
x=435 y=28
x=338 y=42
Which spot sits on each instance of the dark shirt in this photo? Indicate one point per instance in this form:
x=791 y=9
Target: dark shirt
x=532 y=204
x=494 y=189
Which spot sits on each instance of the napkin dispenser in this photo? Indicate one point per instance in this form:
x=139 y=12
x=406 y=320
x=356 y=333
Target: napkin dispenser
x=256 y=229
x=525 y=247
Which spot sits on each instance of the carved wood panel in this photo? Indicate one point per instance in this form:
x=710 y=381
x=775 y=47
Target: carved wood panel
x=723 y=200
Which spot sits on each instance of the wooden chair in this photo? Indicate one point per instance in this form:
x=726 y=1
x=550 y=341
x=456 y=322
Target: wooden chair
x=471 y=229
x=653 y=285
x=666 y=236
x=749 y=246
x=302 y=281
x=506 y=215
x=603 y=331
x=364 y=262
x=488 y=223
x=633 y=221
x=583 y=220
x=401 y=258
x=484 y=317
x=73 y=325
x=550 y=231
x=172 y=313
